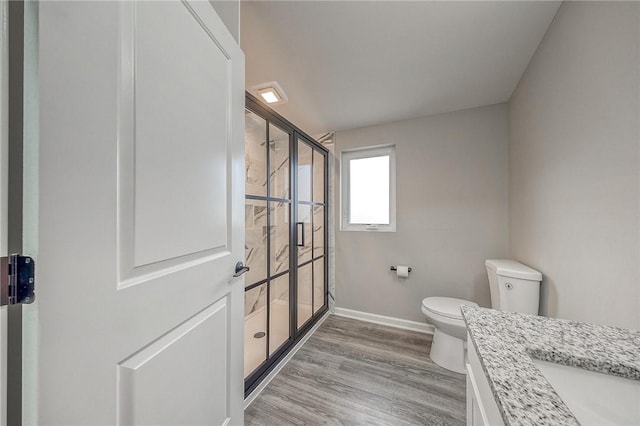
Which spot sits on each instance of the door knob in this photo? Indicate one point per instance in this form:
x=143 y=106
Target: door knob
x=240 y=269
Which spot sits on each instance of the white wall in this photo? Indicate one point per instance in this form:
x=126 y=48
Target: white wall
x=574 y=165
x=451 y=214
x=229 y=12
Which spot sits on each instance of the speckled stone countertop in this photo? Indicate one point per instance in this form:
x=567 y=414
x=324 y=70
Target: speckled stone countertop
x=506 y=341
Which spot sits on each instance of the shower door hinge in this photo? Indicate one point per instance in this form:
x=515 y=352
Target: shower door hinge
x=17 y=280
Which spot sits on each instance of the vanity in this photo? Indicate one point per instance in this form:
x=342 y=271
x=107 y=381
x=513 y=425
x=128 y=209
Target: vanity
x=532 y=370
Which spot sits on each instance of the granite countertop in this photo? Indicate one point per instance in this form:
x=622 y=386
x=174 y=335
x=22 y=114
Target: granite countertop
x=506 y=341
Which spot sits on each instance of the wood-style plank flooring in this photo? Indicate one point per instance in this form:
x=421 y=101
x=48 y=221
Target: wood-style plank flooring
x=357 y=373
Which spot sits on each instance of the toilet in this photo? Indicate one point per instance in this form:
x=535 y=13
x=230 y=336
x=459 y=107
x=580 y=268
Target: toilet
x=447 y=348
x=513 y=286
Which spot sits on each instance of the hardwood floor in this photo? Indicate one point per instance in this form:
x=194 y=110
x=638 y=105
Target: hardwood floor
x=357 y=373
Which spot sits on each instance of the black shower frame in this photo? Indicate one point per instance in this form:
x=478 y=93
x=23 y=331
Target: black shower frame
x=270 y=116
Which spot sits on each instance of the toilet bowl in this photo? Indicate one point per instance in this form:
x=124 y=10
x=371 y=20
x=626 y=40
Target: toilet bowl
x=448 y=346
x=514 y=287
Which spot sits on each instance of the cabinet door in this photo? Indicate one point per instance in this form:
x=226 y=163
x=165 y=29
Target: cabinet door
x=474 y=415
x=480 y=401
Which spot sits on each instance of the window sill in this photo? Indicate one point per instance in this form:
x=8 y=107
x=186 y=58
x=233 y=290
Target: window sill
x=365 y=228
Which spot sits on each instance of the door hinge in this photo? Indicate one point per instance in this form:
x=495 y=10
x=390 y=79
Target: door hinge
x=17 y=280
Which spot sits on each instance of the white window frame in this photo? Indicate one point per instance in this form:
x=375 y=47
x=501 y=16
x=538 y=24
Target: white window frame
x=375 y=151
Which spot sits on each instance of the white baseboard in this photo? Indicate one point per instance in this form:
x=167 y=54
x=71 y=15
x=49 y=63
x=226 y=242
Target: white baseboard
x=390 y=321
x=254 y=394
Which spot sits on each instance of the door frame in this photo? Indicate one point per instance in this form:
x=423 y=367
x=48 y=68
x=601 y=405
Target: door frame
x=255 y=105
x=4 y=190
x=13 y=129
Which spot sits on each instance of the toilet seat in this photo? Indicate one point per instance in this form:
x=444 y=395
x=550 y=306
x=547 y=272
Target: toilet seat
x=448 y=307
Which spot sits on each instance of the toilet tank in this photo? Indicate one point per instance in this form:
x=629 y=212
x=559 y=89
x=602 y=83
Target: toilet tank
x=514 y=287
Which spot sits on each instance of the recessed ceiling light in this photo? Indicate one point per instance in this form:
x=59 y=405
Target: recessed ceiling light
x=270 y=93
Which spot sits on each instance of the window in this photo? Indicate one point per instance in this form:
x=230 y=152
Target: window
x=368 y=189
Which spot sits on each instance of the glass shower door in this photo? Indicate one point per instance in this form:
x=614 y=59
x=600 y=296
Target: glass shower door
x=279 y=237
x=267 y=235
x=286 y=230
x=310 y=231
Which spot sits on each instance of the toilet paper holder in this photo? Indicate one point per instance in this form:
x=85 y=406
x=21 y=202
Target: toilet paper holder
x=394 y=268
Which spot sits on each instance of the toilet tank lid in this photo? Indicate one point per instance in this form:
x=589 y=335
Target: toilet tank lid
x=513 y=269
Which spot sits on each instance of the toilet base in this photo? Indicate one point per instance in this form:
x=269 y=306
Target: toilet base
x=448 y=352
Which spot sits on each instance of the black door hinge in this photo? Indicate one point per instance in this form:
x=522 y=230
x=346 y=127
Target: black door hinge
x=17 y=280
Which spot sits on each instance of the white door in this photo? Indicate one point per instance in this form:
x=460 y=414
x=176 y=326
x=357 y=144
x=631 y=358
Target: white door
x=139 y=320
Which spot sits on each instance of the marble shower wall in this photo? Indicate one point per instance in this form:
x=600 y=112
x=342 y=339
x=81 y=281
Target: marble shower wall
x=255 y=240
x=255 y=211
x=256 y=229
x=255 y=299
x=279 y=175
x=280 y=225
x=255 y=166
x=255 y=253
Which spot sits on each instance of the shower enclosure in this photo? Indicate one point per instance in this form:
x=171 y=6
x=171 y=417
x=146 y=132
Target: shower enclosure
x=286 y=229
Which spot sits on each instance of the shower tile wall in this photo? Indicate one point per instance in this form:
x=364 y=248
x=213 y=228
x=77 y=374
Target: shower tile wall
x=255 y=163
x=255 y=299
x=255 y=240
x=279 y=236
x=279 y=162
x=255 y=210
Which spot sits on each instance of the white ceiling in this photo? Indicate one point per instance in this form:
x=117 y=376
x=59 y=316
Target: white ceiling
x=350 y=64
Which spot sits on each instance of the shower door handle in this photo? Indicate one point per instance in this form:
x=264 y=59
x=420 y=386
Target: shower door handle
x=300 y=226
x=240 y=269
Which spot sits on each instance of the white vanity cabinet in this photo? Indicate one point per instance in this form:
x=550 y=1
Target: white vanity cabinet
x=482 y=409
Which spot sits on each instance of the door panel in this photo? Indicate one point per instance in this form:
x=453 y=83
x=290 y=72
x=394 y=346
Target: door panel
x=140 y=215
x=169 y=381
x=172 y=51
